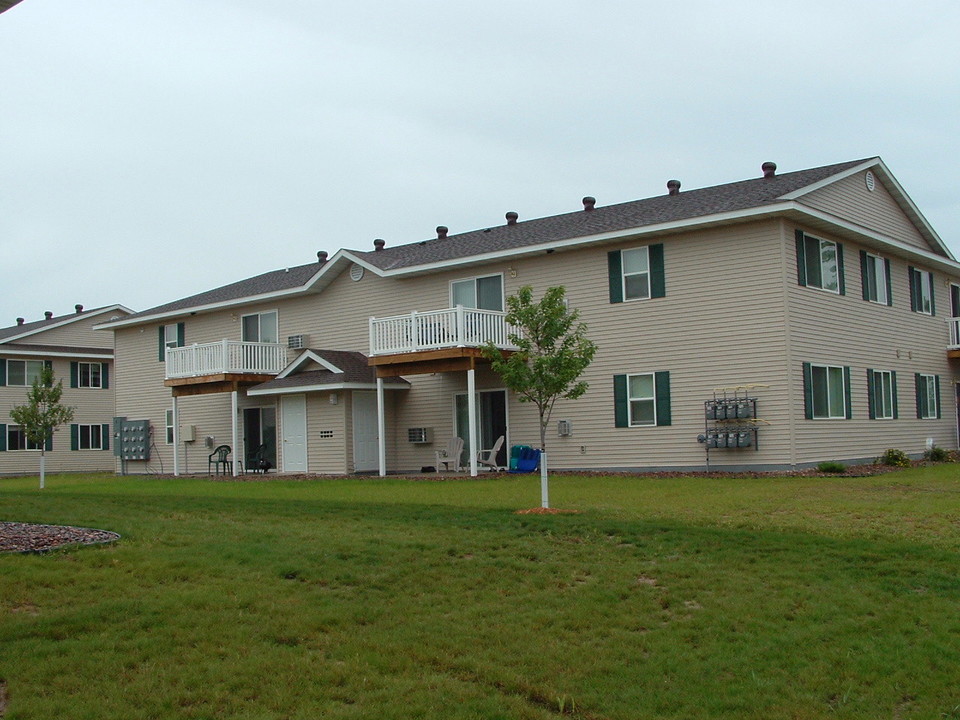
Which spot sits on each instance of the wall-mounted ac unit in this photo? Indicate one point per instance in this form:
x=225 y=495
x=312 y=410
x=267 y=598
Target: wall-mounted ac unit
x=564 y=428
x=295 y=342
x=420 y=435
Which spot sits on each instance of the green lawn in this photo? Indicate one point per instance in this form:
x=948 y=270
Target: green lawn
x=365 y=598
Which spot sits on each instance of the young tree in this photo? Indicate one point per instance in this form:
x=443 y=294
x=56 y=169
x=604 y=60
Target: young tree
x=553 y=351
x=42 y=414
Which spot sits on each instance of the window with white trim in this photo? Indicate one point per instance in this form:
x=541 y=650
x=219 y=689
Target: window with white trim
x=17 y=439
x=882 y=394
x=827 y=392
x=169 y=423
x=23 y=373
x=635 y=268
x=821 y=264
x=89 y=375
x=928 y=404
x=875 y=273
x=90 y=437
x=481 y=293
x=642 y=400
x=260 y=327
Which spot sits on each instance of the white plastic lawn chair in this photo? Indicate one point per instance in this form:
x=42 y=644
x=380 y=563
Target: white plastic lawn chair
x=488 y=458
x=450 y=456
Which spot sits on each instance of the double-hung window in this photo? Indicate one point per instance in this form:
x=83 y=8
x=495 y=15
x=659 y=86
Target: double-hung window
x=928 y=396
x=636 y=273
x=171 y=336
x=260 y=327
x=875 y=275
x=481 y=293
x=23 y=373
x=169 y=423
x=826 y=392
x=882 y=394
x=642 y=399
x=921 y=291
x=819 y=263
x=17 y=439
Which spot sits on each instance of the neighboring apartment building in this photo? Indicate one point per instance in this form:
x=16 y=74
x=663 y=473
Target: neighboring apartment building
x=767 y=323
x=83 y=359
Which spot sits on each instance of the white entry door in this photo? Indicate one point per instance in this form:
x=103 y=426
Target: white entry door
x=366 y=450
x=293 y=418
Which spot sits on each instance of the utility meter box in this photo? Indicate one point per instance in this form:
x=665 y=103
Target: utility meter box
x=134 y=440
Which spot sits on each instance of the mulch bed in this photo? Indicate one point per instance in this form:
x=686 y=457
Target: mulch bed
x=25 y=537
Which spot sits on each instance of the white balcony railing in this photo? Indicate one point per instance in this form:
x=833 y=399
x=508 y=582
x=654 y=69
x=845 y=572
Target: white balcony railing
x=954 y=325
x=226 y=356
x=453 y=327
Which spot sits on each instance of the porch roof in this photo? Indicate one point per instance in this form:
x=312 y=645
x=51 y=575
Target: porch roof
x=345 y=370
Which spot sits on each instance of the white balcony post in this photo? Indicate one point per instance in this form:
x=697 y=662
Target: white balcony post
x=381 y=430
x=414 y=333
x=472 y=420
x=373 y=337
x=461 y=327
x=225 y=358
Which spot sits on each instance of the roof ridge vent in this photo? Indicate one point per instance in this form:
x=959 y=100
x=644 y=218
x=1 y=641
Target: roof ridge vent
x=673 y=187
x=512 y=218
x=442 y=231
x=589 y=203
x=769 y=169
x=378 y=244
x=322 y=257
x=20 y=321
x=78 y=308
x=48 y=315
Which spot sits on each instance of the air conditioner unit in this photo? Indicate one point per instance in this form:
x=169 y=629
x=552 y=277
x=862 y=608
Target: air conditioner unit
x=564 y=428
x=420 y=435
x=295 y=342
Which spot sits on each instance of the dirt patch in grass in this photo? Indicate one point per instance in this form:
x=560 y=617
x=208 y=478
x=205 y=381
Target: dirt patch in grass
x=546 y=511
x=26 y=537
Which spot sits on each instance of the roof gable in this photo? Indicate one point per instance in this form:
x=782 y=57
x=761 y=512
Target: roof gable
x=34 y=330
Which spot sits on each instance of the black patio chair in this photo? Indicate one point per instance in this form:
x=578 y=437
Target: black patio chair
x=220 y=460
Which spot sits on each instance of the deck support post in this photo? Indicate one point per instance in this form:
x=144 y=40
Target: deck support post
x=472 y=419
x=381 y=430
x=233 y=426
x=176 y=437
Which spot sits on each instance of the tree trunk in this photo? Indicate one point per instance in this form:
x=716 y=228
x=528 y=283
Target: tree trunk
x=43 y=468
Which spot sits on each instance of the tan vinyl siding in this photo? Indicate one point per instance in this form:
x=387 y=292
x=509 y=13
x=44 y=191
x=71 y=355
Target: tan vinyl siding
x=77 y=334
x=850 y=199
x=847 y=331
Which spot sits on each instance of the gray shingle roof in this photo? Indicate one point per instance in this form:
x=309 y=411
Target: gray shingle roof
x=688 y=204
x=14 y=330
x=353 y=364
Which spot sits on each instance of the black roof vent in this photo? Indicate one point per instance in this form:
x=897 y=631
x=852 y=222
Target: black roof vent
x=20 y=321
x=589 y=202
x=378 y=244
x=48 y=315
x=442 y=231
x=673 y=187
x=78 y=308
x=512 y=218
x=769 y=169
x=322 y=257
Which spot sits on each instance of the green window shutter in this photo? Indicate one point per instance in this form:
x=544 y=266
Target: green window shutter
x=921 y=396
x=658 y=278
x=840 y=273
x=808 y=391
x=801 y=259
x=48 y=364
x=74 y=374
x=886 y=270
x=74 y=436
x=871 y=396
x=48 y=445
x=181 y=341
x=615 y=271
x=105 y=376
x=914 y=289
x=936 y=382
x=864 y=282
x=662 y=390
x=620 y=410
x=3 y=437
x=933 y=298
x=105 y=435
x=893 y=389
x=163 y=343
x=847 y=400
x=3 y=372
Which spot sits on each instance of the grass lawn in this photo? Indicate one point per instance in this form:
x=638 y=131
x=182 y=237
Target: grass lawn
x=367 y=598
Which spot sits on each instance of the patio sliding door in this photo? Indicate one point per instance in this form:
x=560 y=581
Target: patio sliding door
x=491 y=423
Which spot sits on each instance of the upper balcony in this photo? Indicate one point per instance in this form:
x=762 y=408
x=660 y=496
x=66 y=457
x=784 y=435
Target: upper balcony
x=225 y=362
x=953 y=349
x=438 y=335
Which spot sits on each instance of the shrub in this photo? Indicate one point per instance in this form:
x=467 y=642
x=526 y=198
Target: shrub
x=895 y=458
x=832 y=467
x=937 y=454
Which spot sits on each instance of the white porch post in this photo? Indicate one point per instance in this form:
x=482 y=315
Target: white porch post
x=472 y=419
x=176 y=437
x=233 y=425
x=381 y=430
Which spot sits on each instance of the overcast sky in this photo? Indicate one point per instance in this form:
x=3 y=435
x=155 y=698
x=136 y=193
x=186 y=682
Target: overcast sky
x=149 y=151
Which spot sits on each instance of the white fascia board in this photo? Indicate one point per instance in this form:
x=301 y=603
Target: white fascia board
x=67 y=320
x=947 y=264
x=44 y=353
x=210 y=307
x=323 y=387
x=302 y=358
x=806 y=189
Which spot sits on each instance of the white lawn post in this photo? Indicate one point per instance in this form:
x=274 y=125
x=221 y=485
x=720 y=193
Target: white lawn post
x=544 y=490
x=43 y=468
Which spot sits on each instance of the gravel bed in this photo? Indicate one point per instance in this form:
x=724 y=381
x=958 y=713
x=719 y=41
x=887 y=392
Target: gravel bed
x=26 y=537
